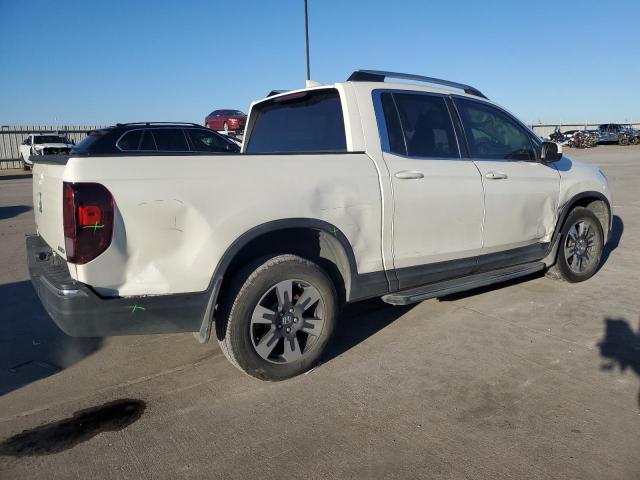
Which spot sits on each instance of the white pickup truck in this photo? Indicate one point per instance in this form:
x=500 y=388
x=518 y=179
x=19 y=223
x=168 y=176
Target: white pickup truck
x=341 y=192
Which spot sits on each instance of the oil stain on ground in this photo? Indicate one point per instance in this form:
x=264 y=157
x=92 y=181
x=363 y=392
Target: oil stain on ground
x=82 y=426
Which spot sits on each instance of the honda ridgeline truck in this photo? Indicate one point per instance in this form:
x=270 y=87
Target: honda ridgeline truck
x=340 y=193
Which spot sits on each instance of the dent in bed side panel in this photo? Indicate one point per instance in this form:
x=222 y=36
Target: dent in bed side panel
x=179 y=214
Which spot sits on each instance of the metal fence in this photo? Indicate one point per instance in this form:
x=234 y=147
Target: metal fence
x=11 y=137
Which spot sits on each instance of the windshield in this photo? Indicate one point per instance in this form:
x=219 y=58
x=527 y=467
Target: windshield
x=49 y=139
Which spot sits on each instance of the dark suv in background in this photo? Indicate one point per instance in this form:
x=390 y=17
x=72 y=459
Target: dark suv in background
x=155 y=138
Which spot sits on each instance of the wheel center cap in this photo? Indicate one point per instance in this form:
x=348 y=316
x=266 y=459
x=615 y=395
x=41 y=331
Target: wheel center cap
x=287 y=319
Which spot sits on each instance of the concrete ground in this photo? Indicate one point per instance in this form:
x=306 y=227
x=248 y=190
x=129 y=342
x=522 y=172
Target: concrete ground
x=537 y=379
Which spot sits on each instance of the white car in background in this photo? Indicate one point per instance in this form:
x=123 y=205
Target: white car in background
x=43 y=144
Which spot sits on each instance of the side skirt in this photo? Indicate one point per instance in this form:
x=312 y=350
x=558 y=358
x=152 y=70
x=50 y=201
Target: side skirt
x=447 y=287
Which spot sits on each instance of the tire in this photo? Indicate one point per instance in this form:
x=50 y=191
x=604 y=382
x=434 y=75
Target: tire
x=25 y=166
x=580 y=249
x=257 y=329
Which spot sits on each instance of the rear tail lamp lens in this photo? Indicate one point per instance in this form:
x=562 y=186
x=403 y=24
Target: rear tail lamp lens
x=87 y=211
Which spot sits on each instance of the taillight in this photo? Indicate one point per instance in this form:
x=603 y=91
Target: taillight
x=87 y=212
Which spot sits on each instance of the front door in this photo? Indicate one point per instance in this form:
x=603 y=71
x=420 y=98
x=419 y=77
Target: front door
x=520 y=193
x=437 y=195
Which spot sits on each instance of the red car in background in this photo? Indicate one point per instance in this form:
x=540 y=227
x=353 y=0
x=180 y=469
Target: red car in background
x=226 y=120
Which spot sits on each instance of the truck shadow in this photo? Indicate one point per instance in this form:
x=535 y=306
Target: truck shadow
x=360 y=321
x=620 y=347
x=617 y=227
x=13 y=211
x=31 y=345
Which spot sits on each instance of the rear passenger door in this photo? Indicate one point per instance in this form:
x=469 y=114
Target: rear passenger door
x=520 y=193
x=437 y=195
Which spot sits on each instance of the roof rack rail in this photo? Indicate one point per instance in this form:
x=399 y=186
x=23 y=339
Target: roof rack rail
x=158 y=123
x=379 y=76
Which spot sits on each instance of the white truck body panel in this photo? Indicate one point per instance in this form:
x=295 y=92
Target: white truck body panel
x=176 y=216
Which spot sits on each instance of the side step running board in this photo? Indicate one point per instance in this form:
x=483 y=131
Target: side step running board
x=440 y=289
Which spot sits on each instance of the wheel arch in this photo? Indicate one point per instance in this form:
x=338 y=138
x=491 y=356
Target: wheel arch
x=592 y=200
x=313 y=239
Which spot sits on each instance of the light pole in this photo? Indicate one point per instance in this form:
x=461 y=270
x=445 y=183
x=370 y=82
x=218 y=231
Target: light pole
x=306 y=32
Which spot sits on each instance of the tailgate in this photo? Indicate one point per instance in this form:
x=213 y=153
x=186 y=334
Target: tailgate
x=47 y=200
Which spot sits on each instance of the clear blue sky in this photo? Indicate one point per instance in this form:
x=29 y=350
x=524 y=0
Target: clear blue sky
x=84 y=61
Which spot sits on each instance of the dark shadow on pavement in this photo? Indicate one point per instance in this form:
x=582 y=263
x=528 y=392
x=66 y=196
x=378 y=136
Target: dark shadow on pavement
x=621 y=347
x=489 y=288
x=360 y=321
x=13 y=211
x=85 y=424
x=31 y=345
x=617 y=227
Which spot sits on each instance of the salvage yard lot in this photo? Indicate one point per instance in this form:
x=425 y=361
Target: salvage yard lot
x=535 y=379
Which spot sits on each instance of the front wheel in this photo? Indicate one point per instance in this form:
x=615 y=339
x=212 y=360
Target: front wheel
x=277 y=317
x=581 y=245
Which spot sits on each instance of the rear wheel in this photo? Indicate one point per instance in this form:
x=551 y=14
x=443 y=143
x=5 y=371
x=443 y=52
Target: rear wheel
x=277 y=317
x=25 y=166
x=581 y=245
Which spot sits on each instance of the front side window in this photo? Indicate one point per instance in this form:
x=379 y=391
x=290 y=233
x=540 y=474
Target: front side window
x=419 y=125
x=170 y=140
x=492 y=134
x=310 y=121
x=208 y=141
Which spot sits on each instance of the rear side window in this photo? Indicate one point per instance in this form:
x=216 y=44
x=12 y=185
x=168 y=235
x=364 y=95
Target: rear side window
x=170 y=140
x=208 y=141
x=493 y=134
x=419 y=125
x=130 y=141
x=310 y=121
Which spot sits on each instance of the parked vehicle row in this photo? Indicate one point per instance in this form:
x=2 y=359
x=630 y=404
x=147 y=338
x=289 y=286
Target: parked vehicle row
x=341 y=192
x=606 y=133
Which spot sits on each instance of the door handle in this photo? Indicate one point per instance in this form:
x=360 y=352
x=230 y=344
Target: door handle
x=496 y=175
x=408 y=175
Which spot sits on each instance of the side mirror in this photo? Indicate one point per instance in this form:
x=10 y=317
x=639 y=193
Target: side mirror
x=550 y=152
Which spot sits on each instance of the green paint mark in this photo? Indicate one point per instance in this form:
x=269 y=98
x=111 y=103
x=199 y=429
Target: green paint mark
x=95 y=227
x=335 y=231
x=136 y=307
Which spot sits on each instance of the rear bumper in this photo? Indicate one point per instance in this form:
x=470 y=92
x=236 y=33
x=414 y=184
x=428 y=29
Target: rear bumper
x=80 y=312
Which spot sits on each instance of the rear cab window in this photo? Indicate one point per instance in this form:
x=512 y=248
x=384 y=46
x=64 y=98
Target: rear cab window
x=309 y=121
